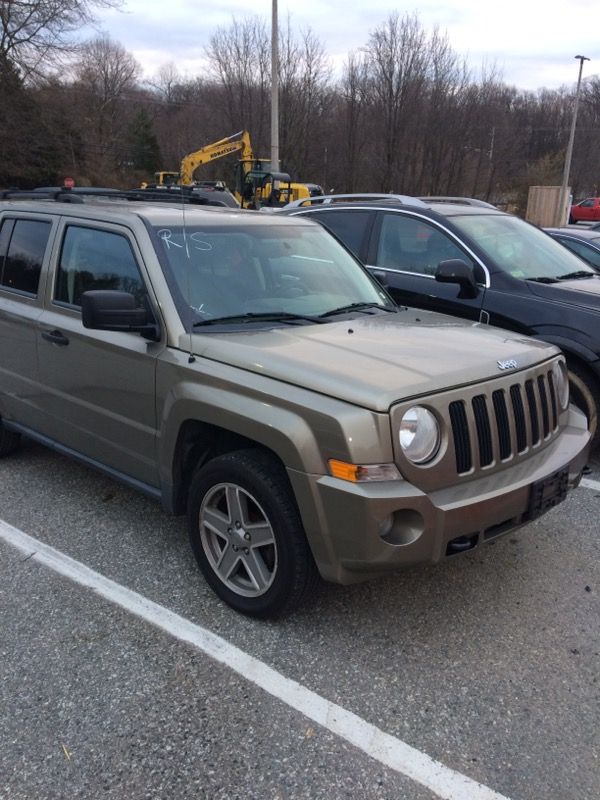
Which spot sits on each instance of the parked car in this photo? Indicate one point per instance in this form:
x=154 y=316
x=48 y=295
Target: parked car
x=485 y=265
x=245 y=369
x=585 y=243
x=587 y=210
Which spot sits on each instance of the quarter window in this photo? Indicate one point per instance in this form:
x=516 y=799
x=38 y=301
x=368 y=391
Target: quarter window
x=96 y=259
x=22 y=264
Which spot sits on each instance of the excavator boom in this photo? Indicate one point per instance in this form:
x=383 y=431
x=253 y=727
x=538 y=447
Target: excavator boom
x=256 y=185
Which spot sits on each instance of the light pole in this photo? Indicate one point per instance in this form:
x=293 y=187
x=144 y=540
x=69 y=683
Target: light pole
x=274 y=90
x=562 y=208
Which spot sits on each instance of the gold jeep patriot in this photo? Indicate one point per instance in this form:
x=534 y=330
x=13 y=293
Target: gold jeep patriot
x=244 y=369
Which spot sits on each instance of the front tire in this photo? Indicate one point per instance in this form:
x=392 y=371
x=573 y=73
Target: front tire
x=246 y=534
x=585 y=394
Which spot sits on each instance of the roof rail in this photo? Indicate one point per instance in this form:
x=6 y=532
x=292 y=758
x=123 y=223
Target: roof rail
x=461 y=201
x=81 y=194
x=328 y=199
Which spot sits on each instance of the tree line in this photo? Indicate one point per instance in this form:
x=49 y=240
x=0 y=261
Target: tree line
x=405 y=114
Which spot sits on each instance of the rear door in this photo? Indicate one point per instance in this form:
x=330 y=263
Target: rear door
x=24 y=252
x=352 y=226
x=99 y=386
x=408 y=248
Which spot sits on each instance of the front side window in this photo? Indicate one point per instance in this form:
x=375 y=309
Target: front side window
x=25 y=253
x=412 y=245
x=96 y=259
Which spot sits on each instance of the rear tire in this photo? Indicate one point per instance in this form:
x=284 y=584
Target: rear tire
x=571 y=220
x=246 y=534
x=585 y=394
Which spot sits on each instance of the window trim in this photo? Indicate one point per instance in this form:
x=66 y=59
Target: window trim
x=13 y=218
x=96 y=225
x=434 y=223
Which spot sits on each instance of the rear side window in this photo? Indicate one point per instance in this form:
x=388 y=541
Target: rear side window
x=349 y=226
x=24 y=242
x=96 y=259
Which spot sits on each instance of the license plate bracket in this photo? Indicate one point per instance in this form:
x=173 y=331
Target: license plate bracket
x=547 y=493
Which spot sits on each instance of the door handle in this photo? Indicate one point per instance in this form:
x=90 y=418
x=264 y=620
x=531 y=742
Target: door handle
x=56 y=337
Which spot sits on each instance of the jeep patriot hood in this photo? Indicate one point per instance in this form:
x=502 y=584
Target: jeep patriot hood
x=375 y=361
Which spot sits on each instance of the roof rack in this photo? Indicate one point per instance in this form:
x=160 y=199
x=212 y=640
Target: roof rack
x=328 y=199
x=460 y=201
x=81 y=194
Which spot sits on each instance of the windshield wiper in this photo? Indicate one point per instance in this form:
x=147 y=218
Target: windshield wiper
x=358 y=307
x=267 y=316
x=580 y=273
x=543 y=279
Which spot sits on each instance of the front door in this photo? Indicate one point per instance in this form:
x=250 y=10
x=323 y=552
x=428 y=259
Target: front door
x=409 y=248
x=98 y=386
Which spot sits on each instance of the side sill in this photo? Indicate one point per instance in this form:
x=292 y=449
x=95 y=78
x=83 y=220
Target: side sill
x=121 y=477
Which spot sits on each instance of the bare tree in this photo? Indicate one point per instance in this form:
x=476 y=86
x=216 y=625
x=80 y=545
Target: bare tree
x=239 y=61
x=35 y=34
x=304 y=100
x=105 y=74
x=397 y=56
x=353 y=118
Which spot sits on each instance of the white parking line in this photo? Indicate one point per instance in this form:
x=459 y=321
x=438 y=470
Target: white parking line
x=386 y=749
x=589 y=484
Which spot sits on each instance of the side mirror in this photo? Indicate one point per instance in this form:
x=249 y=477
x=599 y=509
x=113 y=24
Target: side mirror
x=455 y=270
x=108 y=310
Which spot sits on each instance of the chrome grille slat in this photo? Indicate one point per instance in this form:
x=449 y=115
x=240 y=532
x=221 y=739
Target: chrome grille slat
x=519 y=417
x=544 y=404
x=484 y=432
x=533 y=412
x=504 y=422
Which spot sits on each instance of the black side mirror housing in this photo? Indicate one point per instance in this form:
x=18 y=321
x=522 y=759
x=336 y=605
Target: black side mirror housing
x=455 y=270
x=109 y=310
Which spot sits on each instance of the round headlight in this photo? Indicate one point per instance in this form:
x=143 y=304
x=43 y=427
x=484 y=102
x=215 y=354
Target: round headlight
x=561 y=383
x=419 y=435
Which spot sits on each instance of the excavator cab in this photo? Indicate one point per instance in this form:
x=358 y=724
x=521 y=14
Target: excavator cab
x=166 y=178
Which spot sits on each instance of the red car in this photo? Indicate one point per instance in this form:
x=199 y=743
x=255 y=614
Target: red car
x=586 y=211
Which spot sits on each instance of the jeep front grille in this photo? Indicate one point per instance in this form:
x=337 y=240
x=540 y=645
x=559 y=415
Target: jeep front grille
x=502 y=423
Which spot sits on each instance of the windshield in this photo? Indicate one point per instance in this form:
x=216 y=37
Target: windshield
x=261 y=271
x=520 y=249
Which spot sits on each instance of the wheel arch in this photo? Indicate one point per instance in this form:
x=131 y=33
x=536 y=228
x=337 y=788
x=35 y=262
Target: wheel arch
x=194 y=432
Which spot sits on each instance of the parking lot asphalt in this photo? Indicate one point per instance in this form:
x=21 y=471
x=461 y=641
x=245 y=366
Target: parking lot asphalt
x=489 y=663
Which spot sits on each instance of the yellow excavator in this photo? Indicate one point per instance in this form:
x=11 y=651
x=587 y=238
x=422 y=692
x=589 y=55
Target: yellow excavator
x=256 y=184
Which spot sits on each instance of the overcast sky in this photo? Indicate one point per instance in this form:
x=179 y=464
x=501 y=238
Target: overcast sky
x=532 y=42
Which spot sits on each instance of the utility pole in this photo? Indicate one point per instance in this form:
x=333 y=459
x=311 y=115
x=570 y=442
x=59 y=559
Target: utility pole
x=562 y=207
x=274 y=90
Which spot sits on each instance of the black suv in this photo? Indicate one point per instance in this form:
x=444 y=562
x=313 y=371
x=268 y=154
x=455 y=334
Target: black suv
x=483 y=264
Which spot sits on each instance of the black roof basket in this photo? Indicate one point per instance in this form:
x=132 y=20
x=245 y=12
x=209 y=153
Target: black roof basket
x=80 y=194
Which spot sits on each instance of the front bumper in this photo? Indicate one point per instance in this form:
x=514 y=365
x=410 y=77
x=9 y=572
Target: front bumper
x=357 y=531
